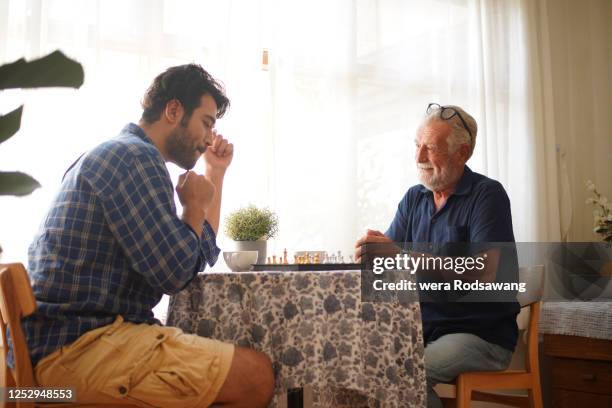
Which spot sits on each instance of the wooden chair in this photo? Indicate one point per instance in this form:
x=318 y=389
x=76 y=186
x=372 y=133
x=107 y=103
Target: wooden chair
x=16 y=302
x=469 y=385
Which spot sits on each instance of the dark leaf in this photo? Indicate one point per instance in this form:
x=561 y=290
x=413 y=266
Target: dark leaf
x=9 y=123
x=17 y=183
x=52 y=70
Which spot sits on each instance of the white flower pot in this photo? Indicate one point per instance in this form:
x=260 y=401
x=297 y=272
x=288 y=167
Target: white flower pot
x=259 y=246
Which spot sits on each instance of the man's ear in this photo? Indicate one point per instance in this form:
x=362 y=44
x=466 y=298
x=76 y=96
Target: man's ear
x=173 y=113
x=465 y=152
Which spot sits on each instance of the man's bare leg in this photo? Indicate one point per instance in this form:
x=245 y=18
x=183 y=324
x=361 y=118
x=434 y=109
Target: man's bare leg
x=249 y=383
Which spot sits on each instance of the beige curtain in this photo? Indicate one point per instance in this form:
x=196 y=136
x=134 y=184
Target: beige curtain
x=569 y=45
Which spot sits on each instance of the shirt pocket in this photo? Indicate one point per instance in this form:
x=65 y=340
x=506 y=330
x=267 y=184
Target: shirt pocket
x=458 y=233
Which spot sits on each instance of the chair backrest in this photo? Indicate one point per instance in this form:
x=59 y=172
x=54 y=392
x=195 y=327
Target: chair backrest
x=16 y=301
x=533 y=277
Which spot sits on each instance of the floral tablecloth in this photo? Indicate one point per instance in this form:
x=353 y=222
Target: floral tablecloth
x=316 y=330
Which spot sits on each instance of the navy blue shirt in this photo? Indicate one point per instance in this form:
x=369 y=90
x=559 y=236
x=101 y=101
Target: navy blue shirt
x=478 y=211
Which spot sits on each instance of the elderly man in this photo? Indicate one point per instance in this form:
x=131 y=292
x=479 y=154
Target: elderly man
x=454 y=204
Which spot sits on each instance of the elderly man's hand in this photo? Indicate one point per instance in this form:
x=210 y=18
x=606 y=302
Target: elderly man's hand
x=374 y=244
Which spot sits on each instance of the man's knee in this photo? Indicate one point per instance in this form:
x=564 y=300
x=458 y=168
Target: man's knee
x=262 y=373
x=436 y=365
x=250 y=381
x=456 y=353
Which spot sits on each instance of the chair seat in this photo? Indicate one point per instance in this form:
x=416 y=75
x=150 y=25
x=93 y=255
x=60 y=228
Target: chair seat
x=76 y=405
x=498 y=380
x=488 y=373
x=470 y=385
x=488 y=380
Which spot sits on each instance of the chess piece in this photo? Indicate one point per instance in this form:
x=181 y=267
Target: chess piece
x=351 y=260
x=268 y=261
x=316 y=258
x=295 y=259
x=274 y=259
x=285 y=257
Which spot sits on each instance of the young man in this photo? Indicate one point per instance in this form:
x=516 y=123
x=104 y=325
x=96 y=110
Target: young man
x=112 y=245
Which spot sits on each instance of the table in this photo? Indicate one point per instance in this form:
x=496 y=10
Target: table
x=317 y=332
x=578 y=342
x=576 y=318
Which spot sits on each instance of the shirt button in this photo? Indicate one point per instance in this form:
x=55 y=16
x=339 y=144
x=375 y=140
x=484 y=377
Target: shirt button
x=160 y=336
x=122 y=390
x=433 y=221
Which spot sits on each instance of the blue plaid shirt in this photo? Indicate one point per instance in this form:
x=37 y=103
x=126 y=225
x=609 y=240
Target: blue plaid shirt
x=111 y=244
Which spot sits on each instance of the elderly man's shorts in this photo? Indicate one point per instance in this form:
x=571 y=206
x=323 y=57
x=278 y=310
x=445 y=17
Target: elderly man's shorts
x=140 y=365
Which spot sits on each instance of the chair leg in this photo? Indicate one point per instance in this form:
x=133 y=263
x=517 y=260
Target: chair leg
x=535 y=396
x=535 y=392
x=463 y=393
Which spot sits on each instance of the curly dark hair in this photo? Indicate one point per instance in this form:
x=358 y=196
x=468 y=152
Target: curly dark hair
x=185 y=83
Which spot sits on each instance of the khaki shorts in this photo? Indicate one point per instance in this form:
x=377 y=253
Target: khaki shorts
x=140 y=365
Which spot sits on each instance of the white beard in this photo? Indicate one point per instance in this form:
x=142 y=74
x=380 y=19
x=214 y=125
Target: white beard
x=436 y=181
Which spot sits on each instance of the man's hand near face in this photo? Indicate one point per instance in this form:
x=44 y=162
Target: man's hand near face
x=218 y=157
x=196 y=193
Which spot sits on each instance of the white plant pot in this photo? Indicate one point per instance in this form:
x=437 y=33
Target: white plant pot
x=259 y=246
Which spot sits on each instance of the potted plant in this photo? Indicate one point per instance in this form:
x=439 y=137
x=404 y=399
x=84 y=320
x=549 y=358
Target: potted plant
x=602 y=215
x=586 y=267
x=53 y=70
x=250 y=228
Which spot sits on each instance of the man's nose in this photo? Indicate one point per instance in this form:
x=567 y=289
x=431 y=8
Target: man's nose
x=421 y=154
x=208 y=138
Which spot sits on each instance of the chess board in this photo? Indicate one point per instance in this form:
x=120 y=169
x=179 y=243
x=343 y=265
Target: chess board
x=306 y=267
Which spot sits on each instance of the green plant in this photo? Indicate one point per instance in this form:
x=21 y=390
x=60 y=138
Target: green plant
x=602 y=215
x=53 y=70
x=251 y=224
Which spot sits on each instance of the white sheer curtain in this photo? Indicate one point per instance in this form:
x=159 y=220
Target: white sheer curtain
x=323 y=133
